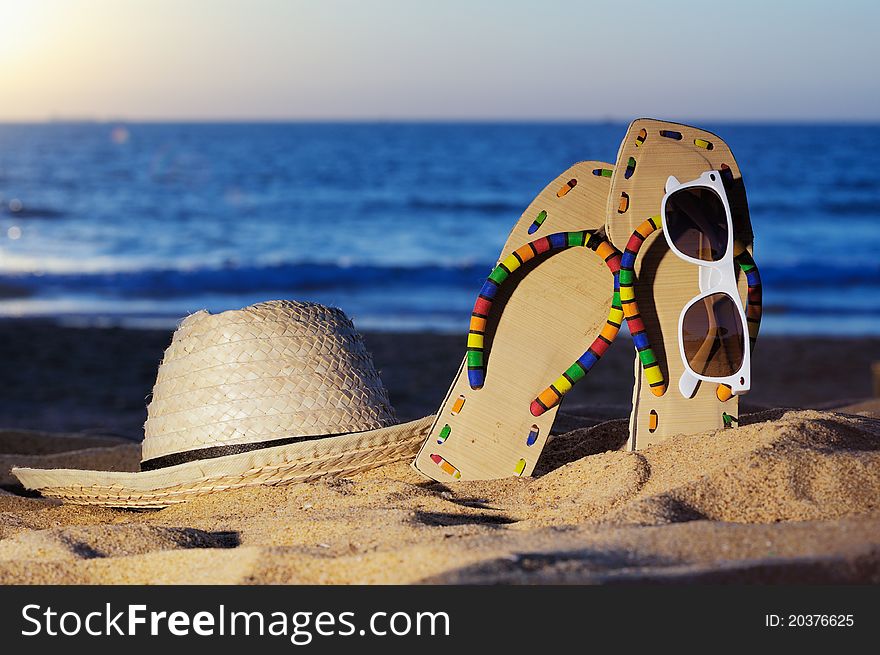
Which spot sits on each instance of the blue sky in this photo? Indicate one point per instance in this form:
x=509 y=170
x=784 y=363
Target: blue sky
x=452 y=60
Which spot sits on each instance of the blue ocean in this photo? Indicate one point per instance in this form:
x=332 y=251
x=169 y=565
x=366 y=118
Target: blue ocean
x=398 y=224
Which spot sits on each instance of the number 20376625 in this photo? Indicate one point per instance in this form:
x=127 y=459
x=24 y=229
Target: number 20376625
x=809 y=620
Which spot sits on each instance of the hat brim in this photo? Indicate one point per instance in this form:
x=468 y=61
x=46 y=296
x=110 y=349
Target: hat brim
x=297 y=462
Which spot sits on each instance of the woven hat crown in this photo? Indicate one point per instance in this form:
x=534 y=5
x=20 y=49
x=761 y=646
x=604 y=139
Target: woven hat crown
x=270 y=371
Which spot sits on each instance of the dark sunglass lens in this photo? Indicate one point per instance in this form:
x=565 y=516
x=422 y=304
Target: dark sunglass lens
x=696 y=223
x=712 y=335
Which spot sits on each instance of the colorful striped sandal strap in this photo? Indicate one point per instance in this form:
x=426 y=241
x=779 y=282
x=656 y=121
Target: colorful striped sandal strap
x=631 y=308
x=476 y=357
x=552 y=395
x=754 y=307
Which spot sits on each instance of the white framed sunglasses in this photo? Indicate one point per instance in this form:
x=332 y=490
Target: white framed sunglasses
x=712 y=327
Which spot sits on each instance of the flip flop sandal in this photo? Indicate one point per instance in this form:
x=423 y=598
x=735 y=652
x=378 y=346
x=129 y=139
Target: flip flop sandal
x=548 y=297
x=650 y=152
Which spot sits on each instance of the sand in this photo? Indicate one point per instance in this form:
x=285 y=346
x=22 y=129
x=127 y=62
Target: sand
x=790 y=496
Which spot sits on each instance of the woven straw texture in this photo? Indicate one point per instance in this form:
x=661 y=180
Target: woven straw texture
x=270 y=371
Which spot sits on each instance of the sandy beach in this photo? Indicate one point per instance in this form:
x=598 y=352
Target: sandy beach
x=792 y=495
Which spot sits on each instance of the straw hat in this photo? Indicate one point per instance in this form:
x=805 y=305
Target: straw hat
x=274 y=393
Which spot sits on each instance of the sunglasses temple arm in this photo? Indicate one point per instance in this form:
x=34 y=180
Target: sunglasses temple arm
x=754 y=307
x=552 y=395
x=687 y=384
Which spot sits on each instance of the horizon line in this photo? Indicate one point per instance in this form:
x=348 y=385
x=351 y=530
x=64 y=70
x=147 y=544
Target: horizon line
x=610 y=120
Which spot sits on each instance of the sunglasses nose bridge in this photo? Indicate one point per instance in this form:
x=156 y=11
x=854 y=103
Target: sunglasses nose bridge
x=710 y=278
